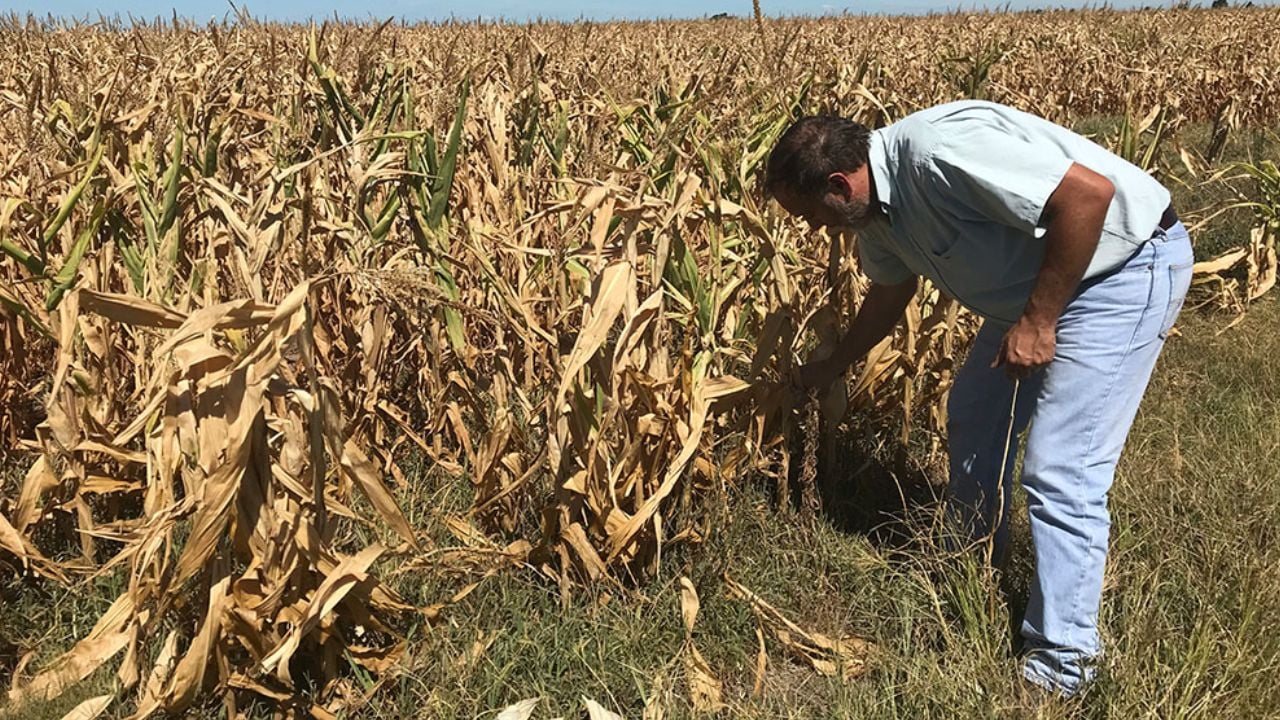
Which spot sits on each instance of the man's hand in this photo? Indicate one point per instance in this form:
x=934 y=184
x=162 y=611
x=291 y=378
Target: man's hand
x=1027 y=347
x=817 y=375
x=880 y=311
x=1073 y=216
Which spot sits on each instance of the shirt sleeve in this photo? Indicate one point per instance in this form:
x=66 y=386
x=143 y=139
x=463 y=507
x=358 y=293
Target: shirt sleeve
x=985 y=168
x=879 y=263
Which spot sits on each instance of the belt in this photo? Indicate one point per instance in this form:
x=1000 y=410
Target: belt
x=1168 y=219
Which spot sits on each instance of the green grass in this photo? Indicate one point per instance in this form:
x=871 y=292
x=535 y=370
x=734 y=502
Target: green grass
x=1191 y=613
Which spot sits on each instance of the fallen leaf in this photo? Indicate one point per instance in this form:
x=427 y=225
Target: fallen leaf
x=89 y=709
x=519 y=711
x=597 y=712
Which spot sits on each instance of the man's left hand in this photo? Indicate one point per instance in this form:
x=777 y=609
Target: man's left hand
x=1028 y=346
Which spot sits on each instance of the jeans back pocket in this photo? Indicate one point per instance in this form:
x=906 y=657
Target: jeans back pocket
x=1179 y=283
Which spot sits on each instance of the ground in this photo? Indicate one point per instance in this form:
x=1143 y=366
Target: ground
x=1192 y=597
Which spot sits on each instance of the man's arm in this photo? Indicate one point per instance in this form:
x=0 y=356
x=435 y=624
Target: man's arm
x=881 y=309
x=1074 y=216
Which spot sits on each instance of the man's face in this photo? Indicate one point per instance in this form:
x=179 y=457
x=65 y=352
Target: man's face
x=845 y=204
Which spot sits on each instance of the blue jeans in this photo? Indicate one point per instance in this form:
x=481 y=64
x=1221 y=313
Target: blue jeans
x=1079 y=409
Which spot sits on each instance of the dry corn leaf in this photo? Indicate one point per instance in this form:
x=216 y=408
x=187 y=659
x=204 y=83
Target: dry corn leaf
x=357 y=467
x=596 y=711
x=341 y=581
x=607 y=300
x=705 y=689
x=188 y=677
x=158 y=680
x=522 y=710
x=360 y=468
x=1262 y=262
x=846 y=657
x=688 y=604
x=130 y=310
x=28 y=555
x=704 y=392
x=108 y=637
x=38 y=480
x=90 y=709
x=762 y=664
x=1220 y=264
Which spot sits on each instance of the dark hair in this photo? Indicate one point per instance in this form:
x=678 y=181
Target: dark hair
x=813 y=148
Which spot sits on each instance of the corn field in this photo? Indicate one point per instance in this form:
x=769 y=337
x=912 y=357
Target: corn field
x=250 y=272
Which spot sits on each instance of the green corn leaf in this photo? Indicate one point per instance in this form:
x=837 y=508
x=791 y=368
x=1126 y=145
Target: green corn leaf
x=31 y=262
x=452 y=318
x=347 y=105
x=385 y=219
x=210 y=165
x=432 y=155
x=328 y=84
x=556 y=144
x=1149 y=157
x=135 y=264
x=199 y=273
x=147 y=203
x=448 y=164
x=453 y=328
x=386 y=108
x=172 y=176
x=380 y=96
x=66 y=276
x=82 y=382
x=446 y=281
x=69 y=203
x=577 y=268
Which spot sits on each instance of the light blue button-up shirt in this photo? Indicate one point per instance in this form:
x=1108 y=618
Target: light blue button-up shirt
x=964 y=185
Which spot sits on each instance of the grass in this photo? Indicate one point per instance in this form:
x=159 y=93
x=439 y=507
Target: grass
x=1190 y=611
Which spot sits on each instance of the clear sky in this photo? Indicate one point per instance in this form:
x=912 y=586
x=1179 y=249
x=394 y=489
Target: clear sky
x=516 y=9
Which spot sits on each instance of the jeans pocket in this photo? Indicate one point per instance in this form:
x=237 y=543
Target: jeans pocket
x=1179 y=283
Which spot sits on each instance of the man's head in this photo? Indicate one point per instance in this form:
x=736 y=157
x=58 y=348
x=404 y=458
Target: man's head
x=818 y=170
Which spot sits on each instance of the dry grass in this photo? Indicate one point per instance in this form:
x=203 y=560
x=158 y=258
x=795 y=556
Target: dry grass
x=248 y=271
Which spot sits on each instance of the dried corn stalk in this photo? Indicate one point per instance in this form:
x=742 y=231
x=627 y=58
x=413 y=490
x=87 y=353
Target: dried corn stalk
x=238 y=531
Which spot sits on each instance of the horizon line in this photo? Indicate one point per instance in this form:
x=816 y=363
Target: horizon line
x=240 y=14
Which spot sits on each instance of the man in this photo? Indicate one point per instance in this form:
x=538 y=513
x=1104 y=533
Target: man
x=1077 y=264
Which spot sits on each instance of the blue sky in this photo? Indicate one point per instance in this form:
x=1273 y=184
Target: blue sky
x=512 y=9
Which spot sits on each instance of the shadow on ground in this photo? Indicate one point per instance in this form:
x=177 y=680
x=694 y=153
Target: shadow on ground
x=868 y=490
x=887 y=497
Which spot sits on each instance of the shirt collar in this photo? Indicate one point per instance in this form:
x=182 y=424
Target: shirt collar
x=878 y=159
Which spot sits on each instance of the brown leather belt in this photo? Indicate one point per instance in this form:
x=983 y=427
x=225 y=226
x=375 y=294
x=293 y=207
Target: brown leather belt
x=1168 y=219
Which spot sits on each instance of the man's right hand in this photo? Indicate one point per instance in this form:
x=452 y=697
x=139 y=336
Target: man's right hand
x=818 y=375
x=880 y=311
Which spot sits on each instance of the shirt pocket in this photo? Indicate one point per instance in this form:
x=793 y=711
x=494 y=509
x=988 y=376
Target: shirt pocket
x=942 y=245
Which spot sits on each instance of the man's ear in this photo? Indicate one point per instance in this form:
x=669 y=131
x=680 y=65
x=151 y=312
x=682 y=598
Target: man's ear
x=838 y=185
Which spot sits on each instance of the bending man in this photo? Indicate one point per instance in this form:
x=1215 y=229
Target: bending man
x=1078 y=265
